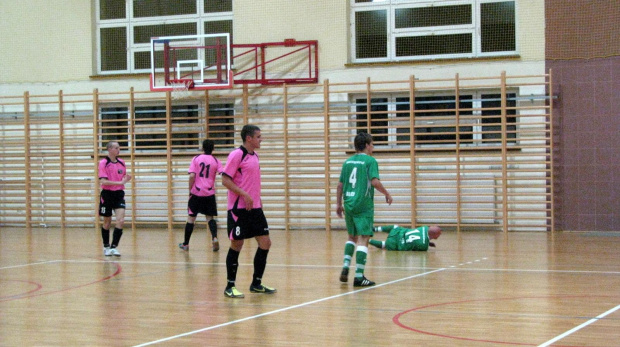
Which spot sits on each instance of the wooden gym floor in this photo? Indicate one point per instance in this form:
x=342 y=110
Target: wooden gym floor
x=474 y=289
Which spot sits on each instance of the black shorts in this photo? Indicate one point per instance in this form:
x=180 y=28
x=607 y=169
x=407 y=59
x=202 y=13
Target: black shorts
x=110 y=200
x=201 y=204
x=244 y=224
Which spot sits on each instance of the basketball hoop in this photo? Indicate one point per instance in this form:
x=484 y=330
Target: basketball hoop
x=180 y=90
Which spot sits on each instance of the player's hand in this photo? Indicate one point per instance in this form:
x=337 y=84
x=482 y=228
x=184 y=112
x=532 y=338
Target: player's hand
x=388 y=199
x=339 y=211
x=249 y=202
x=127 y=178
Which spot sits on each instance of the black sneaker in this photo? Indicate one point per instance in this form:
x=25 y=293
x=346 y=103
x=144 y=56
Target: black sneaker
x=261 y=288
x=362 y=282
x=344 y=275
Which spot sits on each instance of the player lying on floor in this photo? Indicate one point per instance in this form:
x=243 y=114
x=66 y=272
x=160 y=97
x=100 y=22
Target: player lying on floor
x=406 y=239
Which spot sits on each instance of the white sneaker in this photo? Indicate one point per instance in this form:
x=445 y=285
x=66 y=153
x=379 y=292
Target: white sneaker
x=114 y=252
x=106 y=251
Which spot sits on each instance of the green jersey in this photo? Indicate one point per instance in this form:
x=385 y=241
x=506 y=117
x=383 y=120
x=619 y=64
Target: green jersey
x=405 y=239
x=358 y=193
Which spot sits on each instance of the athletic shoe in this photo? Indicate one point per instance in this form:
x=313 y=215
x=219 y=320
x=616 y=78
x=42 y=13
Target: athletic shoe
x=233 y=293
x=114 y=252
x=215 y=245
x=106 y=251
x=362 y=282
x=184 y=247
x=344 y=275
x=263 y=289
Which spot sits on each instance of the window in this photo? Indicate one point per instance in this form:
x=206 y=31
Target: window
x=125 y=28
x=437 y=117
x=220 y=126
x=150 y=129
x=394 y=30
x=114 y=126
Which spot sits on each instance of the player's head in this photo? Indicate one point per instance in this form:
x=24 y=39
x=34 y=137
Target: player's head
x=434 y=232
x=248 y=130
x=361 y=140
x=207 y=146
x=113 y=149
x=111 y=144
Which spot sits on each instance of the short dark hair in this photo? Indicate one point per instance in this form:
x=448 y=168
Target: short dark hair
x=110 y=144
x=248 y=130
x=207 y=146
x=361 y=140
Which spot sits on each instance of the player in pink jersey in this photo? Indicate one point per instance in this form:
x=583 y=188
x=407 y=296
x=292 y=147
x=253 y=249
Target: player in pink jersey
x=112 y=177
x=246 y=219
x=202 y=172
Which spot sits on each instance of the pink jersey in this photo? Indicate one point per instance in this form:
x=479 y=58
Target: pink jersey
x=244 y=169
x=206 y=167
x=113 y=171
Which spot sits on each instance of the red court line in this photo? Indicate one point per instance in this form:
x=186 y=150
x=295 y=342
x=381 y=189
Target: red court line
x=37 y=285
x=396 y=319
x=25 y=296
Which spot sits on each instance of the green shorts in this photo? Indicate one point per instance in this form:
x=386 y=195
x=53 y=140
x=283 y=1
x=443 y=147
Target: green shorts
x=359 y=225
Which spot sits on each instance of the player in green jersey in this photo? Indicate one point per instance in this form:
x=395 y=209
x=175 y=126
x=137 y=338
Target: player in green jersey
x=358 y=180
x=406 y=239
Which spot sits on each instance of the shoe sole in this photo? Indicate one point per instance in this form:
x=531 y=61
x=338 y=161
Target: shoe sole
x=363 y=285
x=370 y=283
x=234 y=296
x=263 y=292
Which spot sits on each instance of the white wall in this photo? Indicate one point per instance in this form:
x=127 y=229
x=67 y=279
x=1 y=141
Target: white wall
x=47 y=45
x=45 y=41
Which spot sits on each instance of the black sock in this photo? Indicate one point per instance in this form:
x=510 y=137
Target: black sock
x=105 y=235
x=116 y=237
x=232 y=263
x=189 y=229
x=260 y=262
x=213 y=228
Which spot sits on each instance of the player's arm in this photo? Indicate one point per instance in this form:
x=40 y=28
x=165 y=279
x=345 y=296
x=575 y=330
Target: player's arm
x=339 y=208
x=106 y=182
x=192 y=180
x=379 y=186
x=233 y=187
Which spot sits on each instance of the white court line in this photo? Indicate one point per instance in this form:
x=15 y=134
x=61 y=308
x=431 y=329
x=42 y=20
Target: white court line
x=285 y=309
x=31 y=264
x=559 y=337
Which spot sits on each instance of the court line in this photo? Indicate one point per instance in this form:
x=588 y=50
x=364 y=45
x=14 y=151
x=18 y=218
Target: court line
x=30 y=264
x=459 y=267
x=287 y=308
x=583 y=325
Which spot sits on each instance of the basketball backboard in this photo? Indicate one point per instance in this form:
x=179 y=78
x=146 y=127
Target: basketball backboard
x=191 y=61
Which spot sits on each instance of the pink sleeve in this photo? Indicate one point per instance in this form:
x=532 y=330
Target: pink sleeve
x=102 y=173
x=232 y=164
x=192 y=166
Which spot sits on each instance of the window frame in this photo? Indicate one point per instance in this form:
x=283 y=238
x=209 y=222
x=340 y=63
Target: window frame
x=223 y=135
x=129 y=22
x=391 y=6
x=475 y=97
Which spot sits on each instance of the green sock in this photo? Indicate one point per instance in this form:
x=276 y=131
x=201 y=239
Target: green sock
x=349 y=249
x=360 y=261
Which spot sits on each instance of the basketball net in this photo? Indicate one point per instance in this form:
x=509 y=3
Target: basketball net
x=180 y=90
